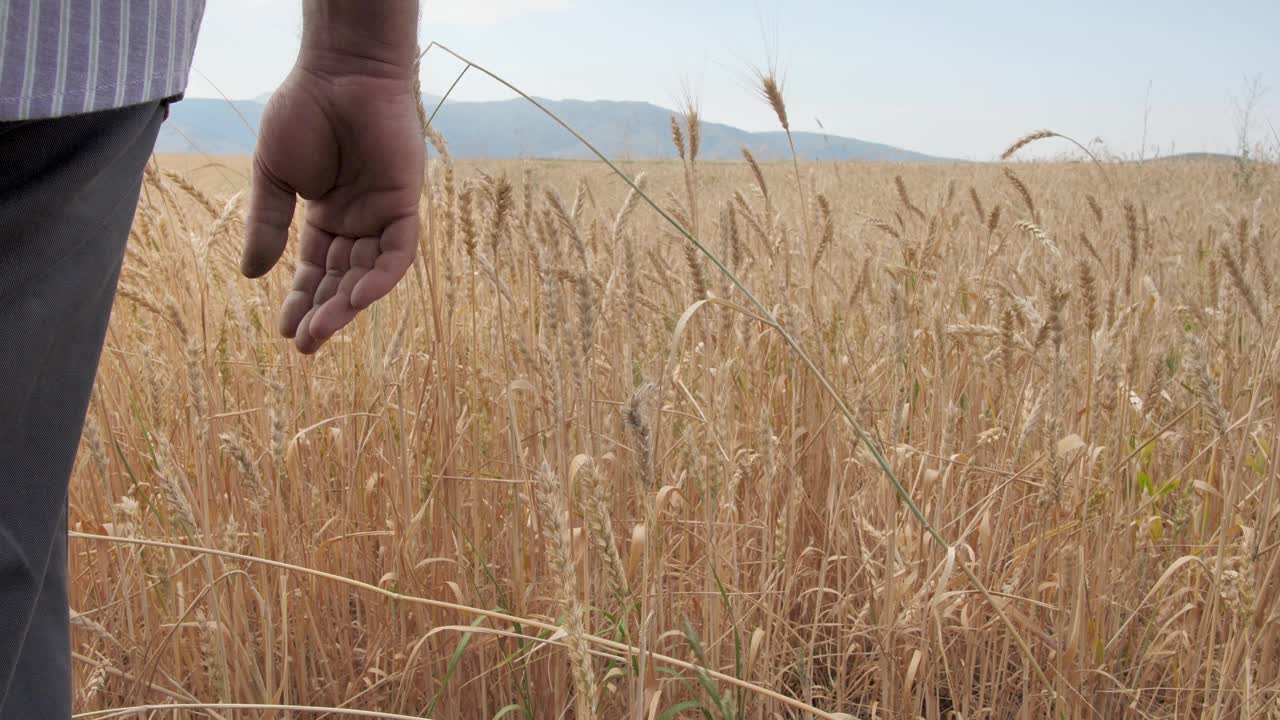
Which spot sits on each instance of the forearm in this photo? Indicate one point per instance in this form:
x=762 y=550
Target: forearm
x=360 y=37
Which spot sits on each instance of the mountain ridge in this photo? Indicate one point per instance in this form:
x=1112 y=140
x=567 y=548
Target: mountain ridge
x=622 y=129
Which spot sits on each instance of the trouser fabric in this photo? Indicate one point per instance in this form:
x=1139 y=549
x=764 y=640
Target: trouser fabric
x=68 y=190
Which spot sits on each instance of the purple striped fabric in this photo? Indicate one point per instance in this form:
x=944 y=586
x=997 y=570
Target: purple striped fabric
x=65 y=57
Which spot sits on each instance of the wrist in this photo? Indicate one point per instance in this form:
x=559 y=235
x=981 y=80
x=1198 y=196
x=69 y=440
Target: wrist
x=355 y=37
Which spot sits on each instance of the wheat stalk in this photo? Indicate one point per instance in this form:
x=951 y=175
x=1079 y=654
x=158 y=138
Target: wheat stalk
x=554 y=515
x=1026 y=140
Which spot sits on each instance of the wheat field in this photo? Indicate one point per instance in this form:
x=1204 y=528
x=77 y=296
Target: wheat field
x=568 y=470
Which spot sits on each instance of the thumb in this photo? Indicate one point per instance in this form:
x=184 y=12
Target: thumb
x=270 y=214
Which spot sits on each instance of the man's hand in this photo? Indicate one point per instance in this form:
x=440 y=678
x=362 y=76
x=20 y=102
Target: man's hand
x=343 y=133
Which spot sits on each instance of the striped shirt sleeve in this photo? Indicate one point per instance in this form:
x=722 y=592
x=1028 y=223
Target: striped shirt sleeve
x=65 y=57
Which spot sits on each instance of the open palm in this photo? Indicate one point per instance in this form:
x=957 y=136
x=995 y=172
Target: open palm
x=352 y=146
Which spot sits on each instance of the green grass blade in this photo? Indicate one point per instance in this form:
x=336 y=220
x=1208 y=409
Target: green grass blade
x=675 y=710
x=453 y=666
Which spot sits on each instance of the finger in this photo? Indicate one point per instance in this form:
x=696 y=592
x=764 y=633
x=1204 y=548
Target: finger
x=399 y=245
x=337 y=263
x=337 y=312
x=267 y=229
x=365 y=252
x=302 y=339
x=313 y=249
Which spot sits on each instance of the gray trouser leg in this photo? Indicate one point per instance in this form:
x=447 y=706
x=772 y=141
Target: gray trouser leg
x=68 y=189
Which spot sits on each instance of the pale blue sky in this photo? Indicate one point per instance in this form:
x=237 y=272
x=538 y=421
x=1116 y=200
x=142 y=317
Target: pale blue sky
x=954 y=79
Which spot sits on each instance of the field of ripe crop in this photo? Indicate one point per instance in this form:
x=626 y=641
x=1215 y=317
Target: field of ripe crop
x=568 y=469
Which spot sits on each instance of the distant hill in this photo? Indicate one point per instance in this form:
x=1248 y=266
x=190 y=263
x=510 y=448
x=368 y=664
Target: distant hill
x=1199 y=156
x=515 y=129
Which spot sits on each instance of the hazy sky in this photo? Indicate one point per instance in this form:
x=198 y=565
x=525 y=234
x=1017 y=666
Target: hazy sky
x=954 y=79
